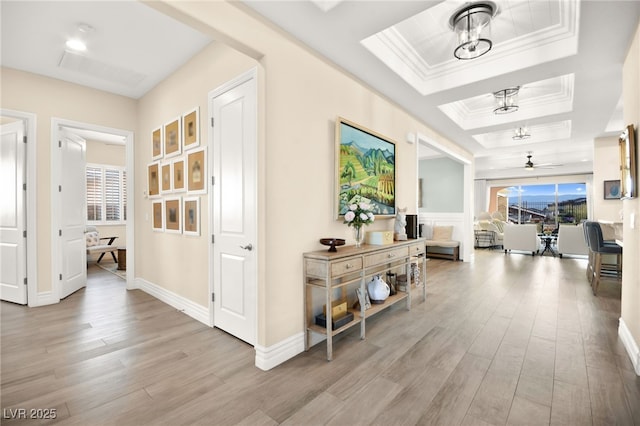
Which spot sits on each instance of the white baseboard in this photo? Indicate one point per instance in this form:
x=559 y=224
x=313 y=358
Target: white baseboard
x=269 y=357
x=42 y=299
x=630 y=345
x=195 y=311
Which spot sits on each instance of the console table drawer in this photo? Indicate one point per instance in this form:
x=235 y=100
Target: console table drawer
x=386 y=257
x=416 y=249
x=346 y=266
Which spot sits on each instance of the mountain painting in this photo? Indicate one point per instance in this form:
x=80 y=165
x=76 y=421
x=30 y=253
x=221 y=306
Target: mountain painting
x=365 y=163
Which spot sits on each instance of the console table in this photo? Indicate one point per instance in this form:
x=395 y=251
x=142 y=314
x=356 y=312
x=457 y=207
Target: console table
x=335 y=276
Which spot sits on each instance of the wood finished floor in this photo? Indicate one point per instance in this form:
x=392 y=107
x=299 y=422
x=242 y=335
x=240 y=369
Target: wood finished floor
x=509 y=339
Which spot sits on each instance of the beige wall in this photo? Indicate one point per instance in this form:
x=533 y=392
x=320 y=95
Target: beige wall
x=49 y=98
x=113 y=155
x=605 y=167
x=176 y=262
x=303 y=95
x=631 y=267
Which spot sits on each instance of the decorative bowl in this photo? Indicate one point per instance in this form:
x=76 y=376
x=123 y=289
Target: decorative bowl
x=332 y=243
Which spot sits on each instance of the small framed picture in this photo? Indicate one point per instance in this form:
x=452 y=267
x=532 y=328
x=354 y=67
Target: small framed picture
x=191 y=214
x=165 y=178
x=177 y=173
x=172 y=143
x=612 y=189
x=191 y=129
x=156 y=144
x=157 y=210
x=172 y=213
x=196 y=171
x=153 y=180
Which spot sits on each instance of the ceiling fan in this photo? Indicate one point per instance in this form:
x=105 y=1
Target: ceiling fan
x=530 y=166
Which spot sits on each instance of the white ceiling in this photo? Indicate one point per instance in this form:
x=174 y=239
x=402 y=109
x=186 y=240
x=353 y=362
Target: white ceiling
x=567 y=57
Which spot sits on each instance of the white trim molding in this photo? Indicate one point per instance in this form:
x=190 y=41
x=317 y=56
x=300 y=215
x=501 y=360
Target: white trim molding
x=184 y=305
x=272 y=356
x=630 y=345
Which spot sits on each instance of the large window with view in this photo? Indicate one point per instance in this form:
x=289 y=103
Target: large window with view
x=547 y=205
x=106 y=195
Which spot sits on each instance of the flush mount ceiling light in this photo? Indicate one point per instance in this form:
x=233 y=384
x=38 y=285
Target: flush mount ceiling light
x=77 y=43
x=521 y=133
x=506 y=100
x=472 y=25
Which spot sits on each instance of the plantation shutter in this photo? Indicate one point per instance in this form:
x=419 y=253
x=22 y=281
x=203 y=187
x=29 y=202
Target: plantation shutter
x=94 y=193
x=124 y=195
x=112 y=194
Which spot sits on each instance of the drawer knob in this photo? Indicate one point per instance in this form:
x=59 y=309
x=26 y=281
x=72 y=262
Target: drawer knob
x=348 y=266
x=391 y=255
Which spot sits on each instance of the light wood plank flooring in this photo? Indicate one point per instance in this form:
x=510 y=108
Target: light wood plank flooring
x=509 y=339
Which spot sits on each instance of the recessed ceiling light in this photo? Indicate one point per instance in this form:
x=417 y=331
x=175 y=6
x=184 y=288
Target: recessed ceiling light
x=76 y=44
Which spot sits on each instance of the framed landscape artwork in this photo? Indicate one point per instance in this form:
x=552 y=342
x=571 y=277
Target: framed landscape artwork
x=191 y=129
x=153 y=180
x=172 y=144
x=365 y=166
x=191 y=213
x=196 y=171
x=628 y=158
x=156 y=139
x=157 y=208
x=172 y=220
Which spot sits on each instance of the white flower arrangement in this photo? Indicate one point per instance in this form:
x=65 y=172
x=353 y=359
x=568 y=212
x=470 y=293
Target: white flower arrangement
x=360 y=212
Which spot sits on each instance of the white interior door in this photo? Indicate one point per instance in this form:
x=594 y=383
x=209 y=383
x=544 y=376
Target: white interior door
x=233 y=206
x=13 y=246
x=72 y=191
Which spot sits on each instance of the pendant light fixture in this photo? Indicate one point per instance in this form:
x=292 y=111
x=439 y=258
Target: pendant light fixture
x=472 y=25
x=521 y=133
x=506 y=100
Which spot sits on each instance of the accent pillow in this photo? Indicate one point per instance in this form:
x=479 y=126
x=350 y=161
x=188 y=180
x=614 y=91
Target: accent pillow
x=441 y=233
x=92 y=238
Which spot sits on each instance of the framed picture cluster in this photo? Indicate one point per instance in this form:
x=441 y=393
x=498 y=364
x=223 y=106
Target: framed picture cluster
x=177 y=175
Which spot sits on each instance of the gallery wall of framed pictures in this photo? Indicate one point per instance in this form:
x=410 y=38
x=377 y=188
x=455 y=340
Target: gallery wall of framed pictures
x=177 y=175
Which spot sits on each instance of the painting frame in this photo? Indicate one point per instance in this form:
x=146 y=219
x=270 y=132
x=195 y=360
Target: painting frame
x=153 y=180
x=196 y=165
x=191 y=129
x=611 y=189
x=376 y=166
x=191 y=216
x=178 y=180
x=157 y=143
x=157 y=215
x=173 y=215
x=172 y=132
x=166 y=179
x=628 y=163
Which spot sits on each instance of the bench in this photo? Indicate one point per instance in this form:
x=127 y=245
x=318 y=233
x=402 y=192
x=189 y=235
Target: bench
x=441 y=245
x=95 y=244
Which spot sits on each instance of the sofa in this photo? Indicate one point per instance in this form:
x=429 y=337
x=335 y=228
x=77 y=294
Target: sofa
x=521 y=238
x=571 y=240
x=440 y=245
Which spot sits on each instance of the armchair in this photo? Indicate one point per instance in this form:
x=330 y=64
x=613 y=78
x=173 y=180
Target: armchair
x=521 y=238
x=96 y=245
x=571 y=240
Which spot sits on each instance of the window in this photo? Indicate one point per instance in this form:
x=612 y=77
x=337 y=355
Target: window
x=106 y=194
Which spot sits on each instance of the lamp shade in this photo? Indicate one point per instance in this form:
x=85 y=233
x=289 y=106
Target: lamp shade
x=472 y=25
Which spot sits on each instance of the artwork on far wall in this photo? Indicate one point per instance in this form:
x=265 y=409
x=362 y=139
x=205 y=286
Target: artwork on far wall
x=191 y=213
x=156 y=144
x=628 y=158
x=157 y=209
x=611 y=189
x=196 y=171
x=165 y=178
x=172 y=142
x=191 y=129
x=153 y=180
x=365 y=165
x=172 y=219
x=177 y=172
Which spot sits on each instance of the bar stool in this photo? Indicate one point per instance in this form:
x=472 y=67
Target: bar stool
x=598 y=247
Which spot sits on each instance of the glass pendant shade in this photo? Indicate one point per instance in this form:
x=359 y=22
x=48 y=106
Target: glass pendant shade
x=472 y=25
x=521 y=133
x=506 y=100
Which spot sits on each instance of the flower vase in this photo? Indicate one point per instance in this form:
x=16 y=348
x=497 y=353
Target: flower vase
x=358 y=235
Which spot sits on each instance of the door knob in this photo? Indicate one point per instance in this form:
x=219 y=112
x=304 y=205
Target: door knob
x=247 y=247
